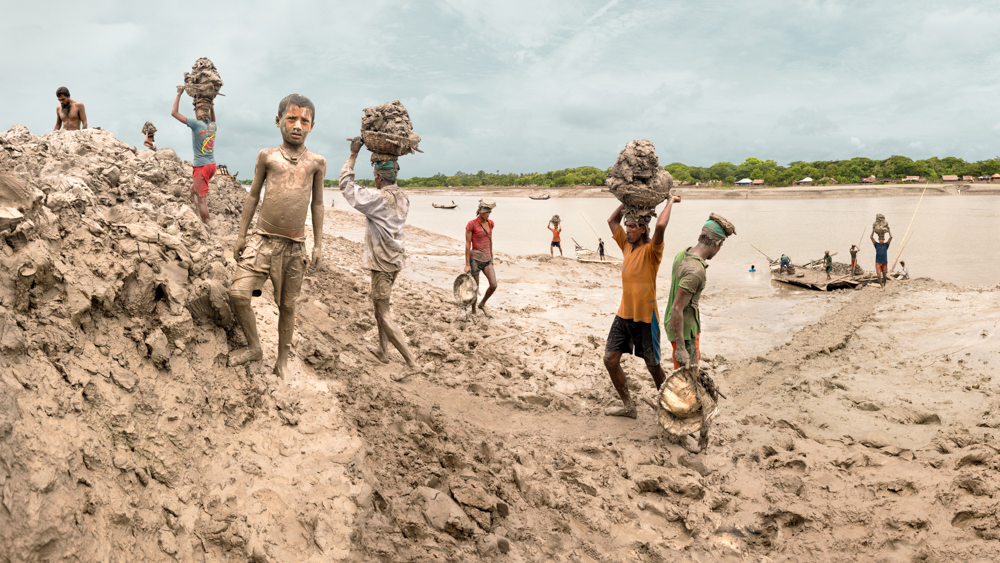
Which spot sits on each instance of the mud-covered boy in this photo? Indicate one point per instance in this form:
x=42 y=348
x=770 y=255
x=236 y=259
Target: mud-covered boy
x=275 y=248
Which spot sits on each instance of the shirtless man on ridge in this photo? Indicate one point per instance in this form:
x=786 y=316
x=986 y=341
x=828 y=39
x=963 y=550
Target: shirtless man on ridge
x=70 y=114
x=276 y=247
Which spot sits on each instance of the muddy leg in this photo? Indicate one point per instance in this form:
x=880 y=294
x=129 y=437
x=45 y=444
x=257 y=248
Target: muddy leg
x=659 y=376
x=201 y=202
x=475 y=313
x=612 y=362
x=248 y=322
x=703 y=439
x=384 y=319
x=286 y=327
x=491 y=277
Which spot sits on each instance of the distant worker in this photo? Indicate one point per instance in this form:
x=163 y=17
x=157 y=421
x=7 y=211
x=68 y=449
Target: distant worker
x=149 y=131
x=635 y=329
x=786 y=264
x=600 y=248
x=70 y=115
x=752 y=268
x=854 y=258
x=203 y=141
x=687 y=281
x=385 y=208
x=881 y=256
x=556 y=239
x=479 y=251
x=828 y=263
x=906 y=273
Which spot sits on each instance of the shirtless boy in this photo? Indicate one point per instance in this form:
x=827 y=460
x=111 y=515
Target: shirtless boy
x=70 y=114
x=276 y=247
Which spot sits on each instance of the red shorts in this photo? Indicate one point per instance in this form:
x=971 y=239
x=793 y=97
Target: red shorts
x=881 y=268
x=697 y=351
x=202 y=174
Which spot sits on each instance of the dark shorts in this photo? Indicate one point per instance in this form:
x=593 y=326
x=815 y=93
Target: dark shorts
x=601 y=251
x=555 y=243
x=475 y=266
x=636 y=338
x=829 y=268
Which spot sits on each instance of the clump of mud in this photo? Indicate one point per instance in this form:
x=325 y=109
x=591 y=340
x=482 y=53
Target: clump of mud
x=203 y=82
x=637 y=180
x=148 y=128
x=880 y=226
x=387 y=131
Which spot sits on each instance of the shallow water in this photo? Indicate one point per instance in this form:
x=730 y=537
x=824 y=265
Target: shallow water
x=946 y=241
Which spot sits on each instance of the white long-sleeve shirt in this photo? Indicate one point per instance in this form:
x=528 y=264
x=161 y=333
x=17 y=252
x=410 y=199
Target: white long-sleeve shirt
x=385 y=212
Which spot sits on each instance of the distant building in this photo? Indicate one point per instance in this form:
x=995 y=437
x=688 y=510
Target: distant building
x=745 y=182
x=868 y=180
x=968 y=178
x=807 y=181
x=828 y=180
x=983 y=178
x=949 y=178
x=911 y=179
x=758 y=183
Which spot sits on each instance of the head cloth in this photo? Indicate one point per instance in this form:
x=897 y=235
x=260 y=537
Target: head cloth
x=387 y=170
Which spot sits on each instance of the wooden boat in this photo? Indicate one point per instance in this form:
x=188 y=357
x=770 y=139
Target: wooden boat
x=452 y=206
x=815 y=279
x=589 y=256
x=539 y=198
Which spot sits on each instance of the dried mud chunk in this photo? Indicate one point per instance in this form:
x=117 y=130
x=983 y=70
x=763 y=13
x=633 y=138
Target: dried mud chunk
x=156 y=344
x=442 y=512
x=210 y=303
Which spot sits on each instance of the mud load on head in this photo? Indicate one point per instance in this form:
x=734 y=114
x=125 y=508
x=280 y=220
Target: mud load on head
x=637 y=180
x=203 y=82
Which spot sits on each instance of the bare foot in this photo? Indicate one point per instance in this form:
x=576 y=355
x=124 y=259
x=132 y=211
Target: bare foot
x=485 y=312
x=628 y=410
x=410 y=370
x=244 y=355
x=281 y=370
x=382 y=356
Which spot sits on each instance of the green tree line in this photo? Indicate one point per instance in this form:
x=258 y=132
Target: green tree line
x=843 y=171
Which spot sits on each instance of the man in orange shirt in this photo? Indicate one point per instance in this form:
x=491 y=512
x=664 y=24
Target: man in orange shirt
x=556 y=239
x=636 y=330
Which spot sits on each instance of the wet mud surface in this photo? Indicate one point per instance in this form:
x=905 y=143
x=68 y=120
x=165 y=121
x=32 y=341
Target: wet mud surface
x=863 y=427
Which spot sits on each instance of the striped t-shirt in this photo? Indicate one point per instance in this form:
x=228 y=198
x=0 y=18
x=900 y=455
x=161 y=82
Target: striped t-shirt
x=481 y=240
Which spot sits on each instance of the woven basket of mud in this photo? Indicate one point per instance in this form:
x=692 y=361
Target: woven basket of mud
x=384 y=143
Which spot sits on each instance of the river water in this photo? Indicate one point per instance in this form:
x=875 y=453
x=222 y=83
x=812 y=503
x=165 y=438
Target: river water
x=952 y=239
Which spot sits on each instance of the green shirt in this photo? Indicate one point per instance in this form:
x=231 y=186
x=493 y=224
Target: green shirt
x=688 y=272
x=828 y=259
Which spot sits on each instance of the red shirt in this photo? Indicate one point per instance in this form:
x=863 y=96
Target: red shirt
x=481 y=240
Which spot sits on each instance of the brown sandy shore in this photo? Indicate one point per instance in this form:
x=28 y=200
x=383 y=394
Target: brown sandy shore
x=866 y=430
x=811 y=192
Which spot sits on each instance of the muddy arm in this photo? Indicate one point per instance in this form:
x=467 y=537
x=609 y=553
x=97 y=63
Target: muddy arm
x=615 y=220
x=253 y=198
x=677 y=325
x=175 y=111
x=468 y=249
x=317 y=214
x=661 y=222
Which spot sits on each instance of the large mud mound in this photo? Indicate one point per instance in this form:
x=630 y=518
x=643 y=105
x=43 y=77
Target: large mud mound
x=636 y=178
x=123 y=435
x=203 y=82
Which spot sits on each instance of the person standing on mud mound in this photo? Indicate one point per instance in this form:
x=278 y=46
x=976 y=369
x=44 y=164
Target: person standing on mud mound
x=556 y=239
x=276 y=247
x=479 y=251
x=828 y=263
x=854 y=258
x=600 y=248
x=636 y=330
x=385 y=209
x=687 y=280
x=881 y=256
x=203 y=141
x=70 y=115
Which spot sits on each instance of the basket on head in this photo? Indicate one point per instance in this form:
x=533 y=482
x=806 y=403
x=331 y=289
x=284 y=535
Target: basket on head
x=384 y=143
x=880 y=226
x=466 y=289
x=555 y=220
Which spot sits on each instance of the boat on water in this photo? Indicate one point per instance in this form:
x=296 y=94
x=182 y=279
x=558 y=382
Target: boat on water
x=587 y=255
x=439 y=206
x=815 y=279
x=539 y=197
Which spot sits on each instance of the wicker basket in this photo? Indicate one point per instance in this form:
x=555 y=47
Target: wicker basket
x=384 y=143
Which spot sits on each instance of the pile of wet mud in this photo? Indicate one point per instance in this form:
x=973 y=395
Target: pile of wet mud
x=123 y=434
x=880 y=226
x=203 y=82
x=637 y=180
x=387 y=131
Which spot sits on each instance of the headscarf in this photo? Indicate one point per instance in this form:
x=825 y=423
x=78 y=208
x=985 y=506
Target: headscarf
x=714 y=231
x=387 y=170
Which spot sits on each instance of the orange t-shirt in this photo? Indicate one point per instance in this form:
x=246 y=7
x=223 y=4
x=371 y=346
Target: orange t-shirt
x=638 y=278
x=555 y=234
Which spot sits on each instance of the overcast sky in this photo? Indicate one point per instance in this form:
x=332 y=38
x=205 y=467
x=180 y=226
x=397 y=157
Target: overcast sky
x=529 y=86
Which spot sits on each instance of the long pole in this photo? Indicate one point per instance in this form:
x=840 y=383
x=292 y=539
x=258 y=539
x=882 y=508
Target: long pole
x=902 y=248
x=908 y=228
x=591 y=226
x=862 y=239
x=762 y=252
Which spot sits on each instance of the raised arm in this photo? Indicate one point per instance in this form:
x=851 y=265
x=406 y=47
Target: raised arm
x=317 y=214
x=175 y=111
x=58 y=120
x=83 y=116
x=253 y=198
x=872 y=237
x=615 y=220
x=213 y=121
x=664 y=218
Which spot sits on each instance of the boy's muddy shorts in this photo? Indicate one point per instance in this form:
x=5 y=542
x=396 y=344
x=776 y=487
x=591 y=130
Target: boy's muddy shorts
x=382 y=284
x=281 y=259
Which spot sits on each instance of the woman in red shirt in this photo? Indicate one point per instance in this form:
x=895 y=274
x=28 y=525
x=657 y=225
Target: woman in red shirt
x=479 y=250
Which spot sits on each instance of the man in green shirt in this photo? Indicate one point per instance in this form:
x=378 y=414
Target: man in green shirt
x=828 y=260
x=687 y=281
